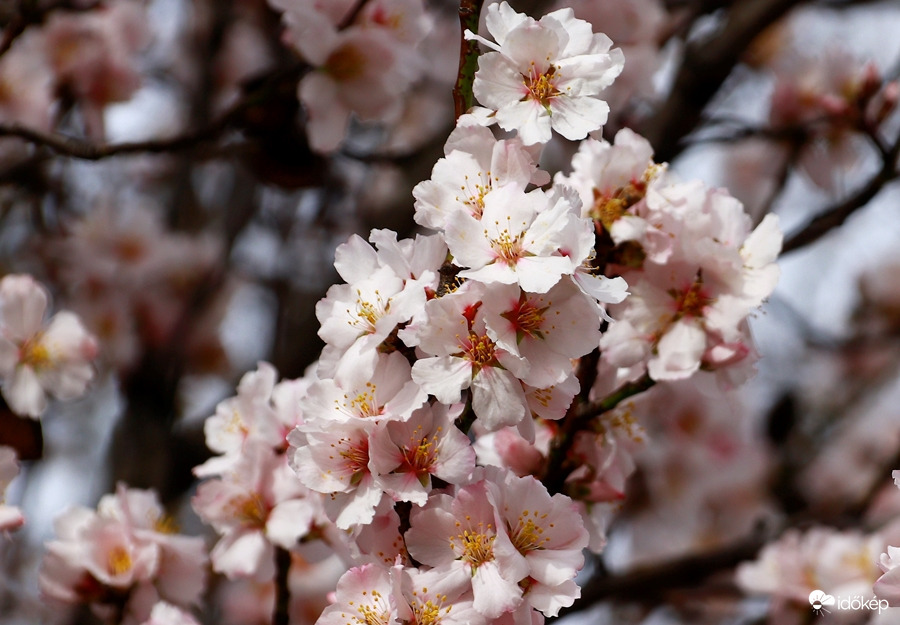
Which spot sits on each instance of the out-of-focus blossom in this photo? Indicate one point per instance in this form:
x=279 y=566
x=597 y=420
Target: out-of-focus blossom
x=94 y=56
x=125 y=554
x=11 y=517
x=38 y=358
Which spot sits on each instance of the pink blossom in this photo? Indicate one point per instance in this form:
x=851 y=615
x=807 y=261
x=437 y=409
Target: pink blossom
x=35 y=358
x=545 y=74
x=518 y=237
x=406 y=455
x=462 y=356
x=547 y=531
x=459 y=536
x=365 y=594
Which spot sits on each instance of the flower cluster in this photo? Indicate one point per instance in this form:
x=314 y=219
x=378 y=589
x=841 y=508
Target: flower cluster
x=37 y=358
x=840 y=563
x=435 y=456
x=124 y=559
x=695 y=268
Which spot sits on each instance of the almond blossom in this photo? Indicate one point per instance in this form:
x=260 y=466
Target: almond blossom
x=126 y=553
x=334 y=460
x=406 y=455
x=547 y=531
x=474 y=163
x=36 y=359
x=517 y=238
x=548 y=329
x=363 y=69
x=459 y=536
x=254 y=506
x=364 y=595
x=461 y=355
x=545 y=74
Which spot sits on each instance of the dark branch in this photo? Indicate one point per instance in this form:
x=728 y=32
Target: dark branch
x=74 y=147
x=706 y=65
x=838 y=214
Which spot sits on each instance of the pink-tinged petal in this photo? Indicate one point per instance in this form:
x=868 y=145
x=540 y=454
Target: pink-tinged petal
x=24 y=394
x=290 y=521
x=9 y=357
x=443 y=376
x=328 y=116
x=575 y=117
x=763 y=245
x=427 y=538
x=182 y=568
x=11 y=518
x=531 y=46
x=493 y=593
x=498 y=81
x=498 y=398
x=23 y=302
x=502 y=18
x=355 y=260
x=549 y=599
x=243 y=554
x=466 y=240
x=359 y=507
x=529 y=118
x=678 y=352
x=539 y=274
x=362 y=591
x=888 y=587
x=384 y=454
x=456 y=458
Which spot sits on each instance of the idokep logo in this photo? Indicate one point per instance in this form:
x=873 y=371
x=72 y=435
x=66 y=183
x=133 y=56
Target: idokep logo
x=821 y=601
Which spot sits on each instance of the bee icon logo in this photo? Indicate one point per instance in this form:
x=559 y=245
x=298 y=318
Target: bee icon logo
x=820 y=601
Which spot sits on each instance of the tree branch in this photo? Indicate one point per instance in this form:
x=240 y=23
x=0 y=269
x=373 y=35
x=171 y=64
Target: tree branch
x=469 y=13
x=73 y=147
x=706 y=65
x=838 y=214
x=579 y=418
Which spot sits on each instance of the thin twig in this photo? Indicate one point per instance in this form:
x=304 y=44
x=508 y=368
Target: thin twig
x=579 y=418
x=707 y=63
x=836 y=215
x=73 y=147
x=281 y=614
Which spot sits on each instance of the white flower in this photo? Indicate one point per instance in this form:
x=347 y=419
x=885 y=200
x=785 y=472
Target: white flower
x=545 y=74
x=34 y=359
x=518 y=238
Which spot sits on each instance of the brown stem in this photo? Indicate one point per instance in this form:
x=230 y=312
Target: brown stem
x=579 y=418
x=469 y=13
x=281 y=612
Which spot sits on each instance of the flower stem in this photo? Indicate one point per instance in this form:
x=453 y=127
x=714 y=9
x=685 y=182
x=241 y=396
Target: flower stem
x=280 y=615
x=469 y=12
